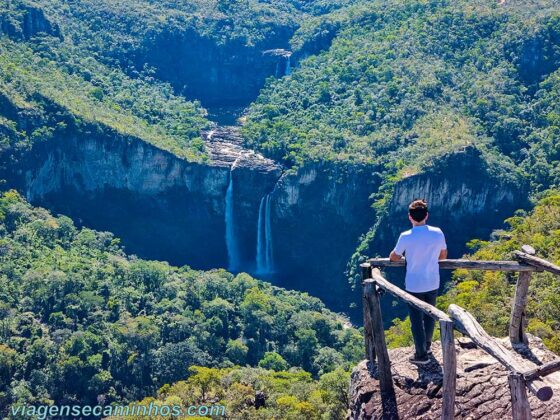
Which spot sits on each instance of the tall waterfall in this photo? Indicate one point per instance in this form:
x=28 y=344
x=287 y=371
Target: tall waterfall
x=288 y=66
x=265 y=256
x=231 y=242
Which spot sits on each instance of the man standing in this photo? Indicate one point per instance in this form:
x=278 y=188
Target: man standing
x=423 y=246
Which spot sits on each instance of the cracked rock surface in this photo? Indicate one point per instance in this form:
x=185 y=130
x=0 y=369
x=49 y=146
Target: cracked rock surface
x=482 y=386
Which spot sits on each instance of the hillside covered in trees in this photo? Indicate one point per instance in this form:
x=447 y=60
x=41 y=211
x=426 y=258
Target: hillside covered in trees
x=114 y=113
x=82 y=322
x=406 y=81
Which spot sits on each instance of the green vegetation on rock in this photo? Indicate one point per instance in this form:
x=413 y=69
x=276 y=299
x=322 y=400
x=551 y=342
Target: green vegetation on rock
x=404 y=82
x=82 y=321
x=489 y=294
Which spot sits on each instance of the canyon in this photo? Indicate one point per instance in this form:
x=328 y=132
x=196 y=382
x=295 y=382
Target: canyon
x=244 y=212
x=239 y=210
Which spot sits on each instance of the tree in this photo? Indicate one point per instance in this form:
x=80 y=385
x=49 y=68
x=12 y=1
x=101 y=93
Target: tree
x=237 y=351
x=273 y=361
x=203 y=379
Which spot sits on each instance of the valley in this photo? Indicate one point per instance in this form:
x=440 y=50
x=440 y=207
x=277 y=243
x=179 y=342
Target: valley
x=188 y=187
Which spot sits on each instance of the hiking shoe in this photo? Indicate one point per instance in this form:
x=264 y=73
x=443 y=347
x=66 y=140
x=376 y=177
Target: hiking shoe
x=419 y=360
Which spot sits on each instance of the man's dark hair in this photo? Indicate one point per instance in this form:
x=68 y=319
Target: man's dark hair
x=418 y=210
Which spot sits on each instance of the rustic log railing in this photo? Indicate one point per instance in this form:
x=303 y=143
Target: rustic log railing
x=522 y=374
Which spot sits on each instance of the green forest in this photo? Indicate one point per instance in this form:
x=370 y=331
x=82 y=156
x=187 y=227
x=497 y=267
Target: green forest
x=81 y=320
x=391 y=86
x=406 y=81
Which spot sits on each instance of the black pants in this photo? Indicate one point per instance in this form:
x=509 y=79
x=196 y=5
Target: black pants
x=422 y=325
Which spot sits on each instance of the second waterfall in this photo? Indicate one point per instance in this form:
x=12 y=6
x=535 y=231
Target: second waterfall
x=231 y=241
x=265 y=256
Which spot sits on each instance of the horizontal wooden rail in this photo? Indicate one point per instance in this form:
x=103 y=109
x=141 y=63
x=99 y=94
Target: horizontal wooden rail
x=428 y=309
x=465 y=322
x=539 y=263
x=466 y=264
x=522 y=373
x=543 y=370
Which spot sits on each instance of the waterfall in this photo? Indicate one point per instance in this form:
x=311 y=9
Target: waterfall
x=288 y=66
x=265 y=256
x=231 y=243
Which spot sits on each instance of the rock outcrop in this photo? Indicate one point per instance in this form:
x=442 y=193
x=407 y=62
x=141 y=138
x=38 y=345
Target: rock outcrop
x=468 y=197
x=24 y=20
x=318 y=215
x=217 y=74
x=162 y=207
x=482 y=386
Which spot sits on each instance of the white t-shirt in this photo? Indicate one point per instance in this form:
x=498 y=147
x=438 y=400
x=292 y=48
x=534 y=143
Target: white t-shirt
x=421 y=246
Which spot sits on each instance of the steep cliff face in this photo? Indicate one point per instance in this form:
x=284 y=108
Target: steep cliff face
x=219 y=75
x=161 y=206
x=23 y=20
x=166 y=208
x=319 y=213
x=468 y=197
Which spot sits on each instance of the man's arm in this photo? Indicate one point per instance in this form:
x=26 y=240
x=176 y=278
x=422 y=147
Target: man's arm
x=398 y=252
x=443 y=252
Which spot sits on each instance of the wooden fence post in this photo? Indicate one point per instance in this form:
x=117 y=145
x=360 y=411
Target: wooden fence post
x=520 y=408
x=368 y=331
x=383 y=362
x=449 y=369
x=518 y=319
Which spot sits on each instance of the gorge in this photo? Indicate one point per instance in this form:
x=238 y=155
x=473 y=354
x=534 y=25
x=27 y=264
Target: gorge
x=303 y=226
x=241 y=211
x=188 y=188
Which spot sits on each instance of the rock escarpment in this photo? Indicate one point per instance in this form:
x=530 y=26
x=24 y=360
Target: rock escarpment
x=318 y=215
x=166 y=208
x=163 y=207
x=217 y=74
x=23 y=20
x=468 y=197
x=482 y=386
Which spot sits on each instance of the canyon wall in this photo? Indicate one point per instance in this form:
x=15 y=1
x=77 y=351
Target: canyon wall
x=468 y=197
x=24 y=20
x=319 y=214
x=166 y=208
x=161 y=206
x=219 y=75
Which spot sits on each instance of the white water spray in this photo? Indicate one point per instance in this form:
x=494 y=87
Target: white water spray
x=288 y=66
x=265 y=255
x=231 y=242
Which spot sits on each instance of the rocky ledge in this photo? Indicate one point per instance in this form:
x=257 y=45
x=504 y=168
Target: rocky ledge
x=225 y=148
x=482 y=386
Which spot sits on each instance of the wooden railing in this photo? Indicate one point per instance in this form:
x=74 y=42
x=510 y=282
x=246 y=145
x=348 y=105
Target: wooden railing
x=523 y=375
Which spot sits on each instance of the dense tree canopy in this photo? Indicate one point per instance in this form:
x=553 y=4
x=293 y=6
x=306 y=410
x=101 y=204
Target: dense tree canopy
x=81 y=322
x=405 y=81
x=286 y=395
